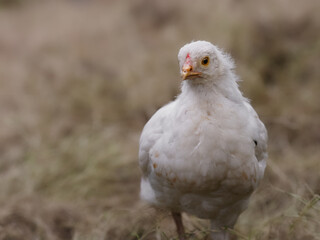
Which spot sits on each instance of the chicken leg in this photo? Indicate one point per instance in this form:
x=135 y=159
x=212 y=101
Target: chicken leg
x=178 y=221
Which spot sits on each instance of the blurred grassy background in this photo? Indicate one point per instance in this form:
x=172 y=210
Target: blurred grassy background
x=79 y=79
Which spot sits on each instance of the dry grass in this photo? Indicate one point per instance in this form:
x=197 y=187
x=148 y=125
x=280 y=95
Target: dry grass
x=79 y=79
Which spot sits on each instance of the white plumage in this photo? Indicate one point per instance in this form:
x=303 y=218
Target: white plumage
x=205 y=152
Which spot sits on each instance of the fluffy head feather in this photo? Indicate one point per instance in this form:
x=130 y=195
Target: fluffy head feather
x=219 y=65
x=217 y=77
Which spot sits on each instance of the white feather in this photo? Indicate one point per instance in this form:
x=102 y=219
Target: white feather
x=198 y=154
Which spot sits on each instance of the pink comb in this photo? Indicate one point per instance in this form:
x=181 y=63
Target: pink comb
x=188 y=59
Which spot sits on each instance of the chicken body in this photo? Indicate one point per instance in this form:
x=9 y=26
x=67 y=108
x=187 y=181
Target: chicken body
x=205 y=152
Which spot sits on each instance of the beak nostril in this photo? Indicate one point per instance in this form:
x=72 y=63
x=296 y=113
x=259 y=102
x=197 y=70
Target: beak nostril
x=187 y=68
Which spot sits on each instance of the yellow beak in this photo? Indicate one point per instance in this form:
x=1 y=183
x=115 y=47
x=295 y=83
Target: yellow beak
x=188 y=73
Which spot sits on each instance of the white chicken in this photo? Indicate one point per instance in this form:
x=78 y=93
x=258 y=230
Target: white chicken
x=204 y=153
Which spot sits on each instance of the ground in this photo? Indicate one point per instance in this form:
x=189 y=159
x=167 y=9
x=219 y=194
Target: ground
x=79 y=79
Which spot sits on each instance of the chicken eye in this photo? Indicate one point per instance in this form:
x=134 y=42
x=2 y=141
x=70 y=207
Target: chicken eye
x=205 y=61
